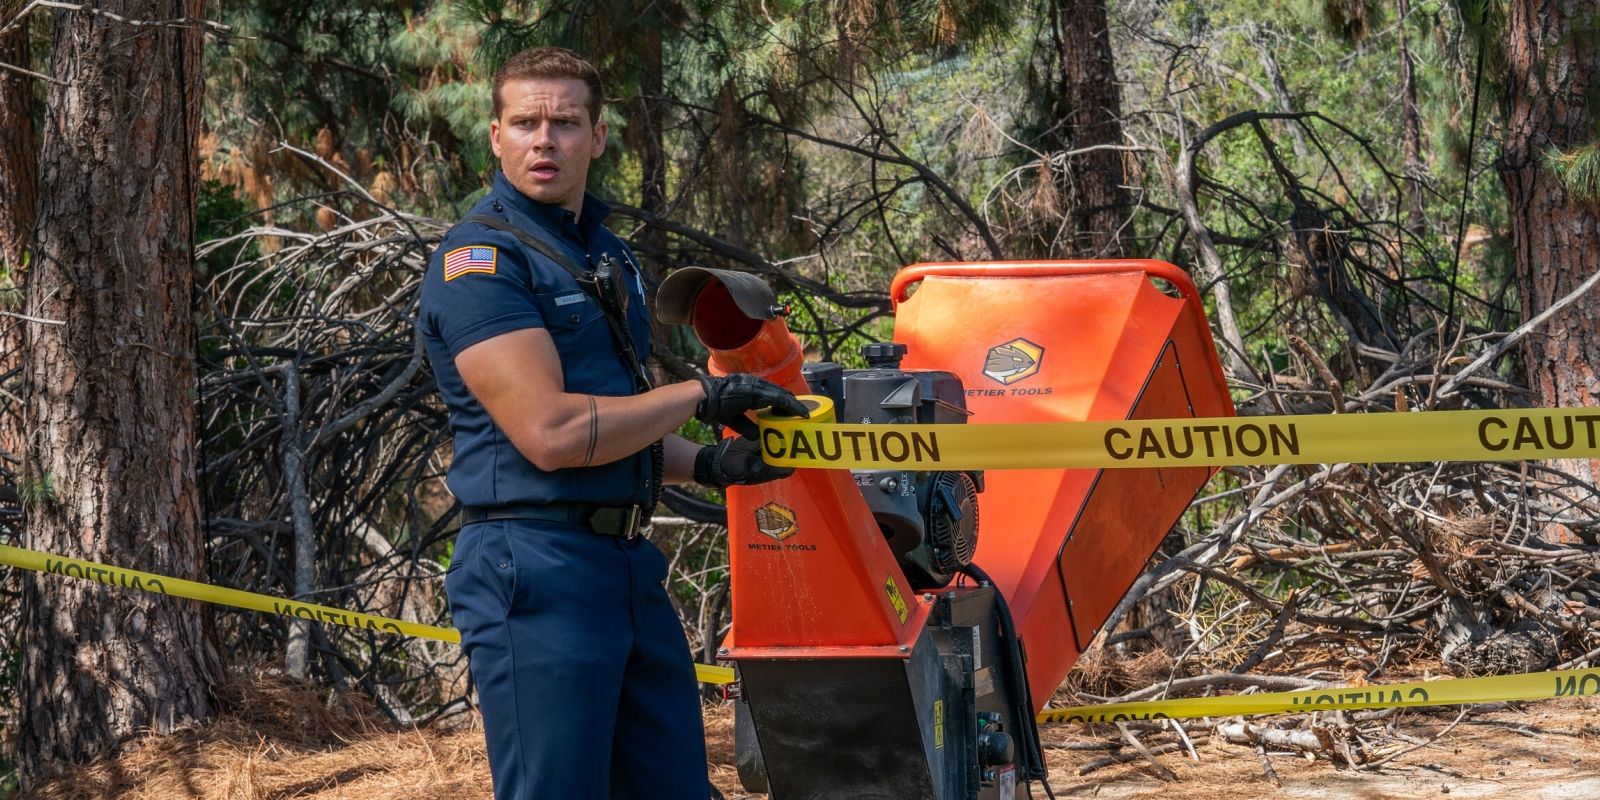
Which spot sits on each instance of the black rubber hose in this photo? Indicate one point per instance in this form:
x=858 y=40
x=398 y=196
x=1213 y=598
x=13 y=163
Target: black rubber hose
x=693 y=508
x=1016 y=666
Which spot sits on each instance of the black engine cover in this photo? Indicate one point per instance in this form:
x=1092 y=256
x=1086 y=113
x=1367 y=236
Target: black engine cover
x=929 y=519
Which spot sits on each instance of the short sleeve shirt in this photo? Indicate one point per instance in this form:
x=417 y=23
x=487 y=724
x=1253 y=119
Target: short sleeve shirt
x=483 y=283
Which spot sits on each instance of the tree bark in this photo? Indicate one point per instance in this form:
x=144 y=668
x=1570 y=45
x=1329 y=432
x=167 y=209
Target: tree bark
x=1555 y=235
x=1090 y=109
x=652 y=148
x=19 y=175
x=651 y=117
x=112 y=391
x=1411 y=128
x=1212 y=275
x=19 y=149
x=297 y=656
x=1280 y=93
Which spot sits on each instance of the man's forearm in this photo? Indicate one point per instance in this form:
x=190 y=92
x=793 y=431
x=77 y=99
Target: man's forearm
x=680 y=453
x=586 y=430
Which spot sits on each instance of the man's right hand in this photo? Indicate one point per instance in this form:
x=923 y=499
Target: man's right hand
x=729 y=398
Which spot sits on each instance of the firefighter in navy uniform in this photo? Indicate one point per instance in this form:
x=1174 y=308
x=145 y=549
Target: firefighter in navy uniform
x=534 y=319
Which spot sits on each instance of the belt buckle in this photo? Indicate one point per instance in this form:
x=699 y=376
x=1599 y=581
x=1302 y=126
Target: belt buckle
x=631 y=523
x=619 y=521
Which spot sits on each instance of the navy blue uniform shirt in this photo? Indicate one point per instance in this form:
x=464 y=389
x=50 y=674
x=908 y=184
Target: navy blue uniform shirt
x=482 y=283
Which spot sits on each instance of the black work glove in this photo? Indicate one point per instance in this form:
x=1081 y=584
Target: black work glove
x=734 y=460
x=729 y=398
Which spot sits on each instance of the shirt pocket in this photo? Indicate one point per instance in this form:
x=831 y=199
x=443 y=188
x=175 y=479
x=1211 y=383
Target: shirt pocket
x=568 y=310
x=583 y=342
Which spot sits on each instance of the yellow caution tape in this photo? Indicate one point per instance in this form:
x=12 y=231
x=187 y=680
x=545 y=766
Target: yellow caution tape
x=1534 y=686
x=193 y=590
x=1510 y=435
x=1500 y=688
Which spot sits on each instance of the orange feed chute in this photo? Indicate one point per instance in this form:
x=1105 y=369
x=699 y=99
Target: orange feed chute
x=1057 y=341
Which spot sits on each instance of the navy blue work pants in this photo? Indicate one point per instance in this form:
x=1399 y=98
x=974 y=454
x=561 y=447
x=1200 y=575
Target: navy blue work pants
x=583 y=673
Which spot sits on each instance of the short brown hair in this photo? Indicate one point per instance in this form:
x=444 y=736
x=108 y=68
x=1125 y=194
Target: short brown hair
x=550 y=62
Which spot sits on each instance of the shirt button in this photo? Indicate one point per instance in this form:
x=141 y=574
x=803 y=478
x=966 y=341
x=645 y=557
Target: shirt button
x=575 y=319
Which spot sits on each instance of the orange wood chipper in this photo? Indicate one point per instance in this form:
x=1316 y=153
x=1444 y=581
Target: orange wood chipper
x=887 y=645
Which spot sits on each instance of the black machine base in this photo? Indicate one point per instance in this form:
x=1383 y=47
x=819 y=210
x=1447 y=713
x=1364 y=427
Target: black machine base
x=938 y=724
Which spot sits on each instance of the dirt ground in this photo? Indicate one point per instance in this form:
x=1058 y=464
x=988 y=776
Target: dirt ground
x=1549 y=749
x=291 y=744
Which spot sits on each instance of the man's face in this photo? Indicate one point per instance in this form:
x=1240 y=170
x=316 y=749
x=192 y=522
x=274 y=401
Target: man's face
x=544 y=139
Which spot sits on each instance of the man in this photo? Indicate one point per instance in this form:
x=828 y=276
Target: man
x=583 y=673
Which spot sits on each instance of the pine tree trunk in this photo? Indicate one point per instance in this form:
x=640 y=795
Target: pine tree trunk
x=652 y=148
x=652 y=117
x=1091 y=107
x=1411 y=129
x=112 y=448
x=1553 y=74
x=19 y=150
x=19 y=173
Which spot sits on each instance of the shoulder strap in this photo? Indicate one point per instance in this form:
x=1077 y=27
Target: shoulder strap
x=541 y=246
x=619 y=335
x=619 y=327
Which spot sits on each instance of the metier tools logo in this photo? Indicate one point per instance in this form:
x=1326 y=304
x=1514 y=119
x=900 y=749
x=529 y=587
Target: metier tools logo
x=776 y=521
x=1013 y=361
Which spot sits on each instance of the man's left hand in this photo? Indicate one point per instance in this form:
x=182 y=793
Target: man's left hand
x=734 y=461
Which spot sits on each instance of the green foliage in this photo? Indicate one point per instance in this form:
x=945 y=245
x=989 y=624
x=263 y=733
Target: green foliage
x=1351 y=20
x=1486 y=25
x=1578 y=170
x=12 y=297
x=36 y=491
x=218 y=213
x=696 y=431
x=1486 y=20
x=324 y=78
x=446 y=555
x=10 y=672
x=448 y=85
x=219 y=209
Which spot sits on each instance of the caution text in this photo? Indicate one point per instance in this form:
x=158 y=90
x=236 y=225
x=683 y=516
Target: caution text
x=1203 y=441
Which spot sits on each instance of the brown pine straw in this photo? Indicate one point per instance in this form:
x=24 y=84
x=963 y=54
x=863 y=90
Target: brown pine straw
x=279 y=739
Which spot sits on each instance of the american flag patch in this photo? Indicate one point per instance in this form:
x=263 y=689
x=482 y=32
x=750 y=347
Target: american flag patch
x=475 y=258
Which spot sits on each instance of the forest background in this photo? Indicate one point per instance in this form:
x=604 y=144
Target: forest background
x=1378 y=200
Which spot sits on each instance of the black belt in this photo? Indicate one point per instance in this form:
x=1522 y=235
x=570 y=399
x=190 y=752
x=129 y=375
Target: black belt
x=623 y=521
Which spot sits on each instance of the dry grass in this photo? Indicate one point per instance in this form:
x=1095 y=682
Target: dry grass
x=1103 y=673
x=283 y=740
x=280 y=740
x=287 y=741
x=1530 y=751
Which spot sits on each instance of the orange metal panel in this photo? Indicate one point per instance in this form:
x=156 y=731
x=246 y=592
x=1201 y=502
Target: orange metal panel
x=1115 y=534
x=811 y=574
x=828 y=584
x=1063 y=341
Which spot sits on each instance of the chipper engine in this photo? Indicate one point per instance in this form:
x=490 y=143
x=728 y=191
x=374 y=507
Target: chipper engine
x=888 y=647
